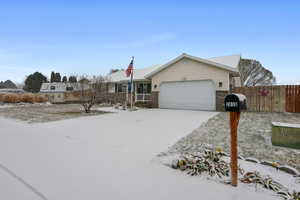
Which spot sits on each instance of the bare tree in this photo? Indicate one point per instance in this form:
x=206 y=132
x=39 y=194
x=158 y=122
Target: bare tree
x=87 y=95
x=91 y=90
x=254 y=74
x=99 y=84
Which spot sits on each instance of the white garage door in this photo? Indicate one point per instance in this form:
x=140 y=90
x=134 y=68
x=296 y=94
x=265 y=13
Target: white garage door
x=190 y=95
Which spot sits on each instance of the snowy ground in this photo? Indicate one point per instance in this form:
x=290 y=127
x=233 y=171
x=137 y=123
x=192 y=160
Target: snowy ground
x=254 y=137
x=104 y=157
x=44 y=112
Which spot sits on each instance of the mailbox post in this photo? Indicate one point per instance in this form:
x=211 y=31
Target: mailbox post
x=234 y=103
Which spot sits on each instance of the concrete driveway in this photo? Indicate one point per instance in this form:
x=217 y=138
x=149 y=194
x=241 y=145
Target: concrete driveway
x=102 y=157
x=89 y=158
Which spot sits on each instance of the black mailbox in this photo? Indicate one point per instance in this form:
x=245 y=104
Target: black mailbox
x=235 y=102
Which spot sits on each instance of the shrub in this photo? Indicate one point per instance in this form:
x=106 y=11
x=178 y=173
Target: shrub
x=1 y=97
x=27 y=98
x=11 y=98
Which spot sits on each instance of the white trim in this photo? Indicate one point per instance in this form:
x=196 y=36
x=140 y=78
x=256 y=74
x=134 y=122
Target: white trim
x=221 y=66
x=143 y=94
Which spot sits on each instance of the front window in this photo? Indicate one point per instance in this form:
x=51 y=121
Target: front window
x=70 y=88
x=144 y=88
x=143 y=92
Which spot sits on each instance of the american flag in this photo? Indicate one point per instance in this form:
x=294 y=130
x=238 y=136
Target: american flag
x=129 y=68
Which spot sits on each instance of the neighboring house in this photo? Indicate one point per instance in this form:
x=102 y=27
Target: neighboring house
x=63 y=92
x=186 y=82
x=11 y=90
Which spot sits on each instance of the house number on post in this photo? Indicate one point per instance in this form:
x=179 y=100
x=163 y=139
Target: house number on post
x=234 y=103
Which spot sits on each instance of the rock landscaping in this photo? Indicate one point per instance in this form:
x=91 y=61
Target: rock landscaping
x=254 y=138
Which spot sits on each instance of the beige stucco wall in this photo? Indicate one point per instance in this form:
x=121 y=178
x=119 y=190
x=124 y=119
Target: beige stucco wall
x=187 y=69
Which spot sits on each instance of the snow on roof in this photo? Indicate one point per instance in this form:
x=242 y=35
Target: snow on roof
x=138 y=74
x=61 y=87
x=231 y=61
x=286 y=125
x=11 y=90
x=225 y=62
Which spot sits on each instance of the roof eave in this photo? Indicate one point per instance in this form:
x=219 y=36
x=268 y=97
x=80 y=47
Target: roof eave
x=225 y=67
x=125 y=81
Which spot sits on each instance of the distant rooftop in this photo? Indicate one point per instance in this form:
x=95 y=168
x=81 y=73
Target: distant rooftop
x=62 y=87
x=11 y=90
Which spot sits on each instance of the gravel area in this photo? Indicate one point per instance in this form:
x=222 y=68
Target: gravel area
x=254 y=137
x=44 y=112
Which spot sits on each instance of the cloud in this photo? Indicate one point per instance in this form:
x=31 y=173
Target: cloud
x=148 y=41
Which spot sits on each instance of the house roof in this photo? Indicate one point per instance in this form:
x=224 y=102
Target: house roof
x=62 y=87
x=138 y=74
x=225 y=62
x=229 y=63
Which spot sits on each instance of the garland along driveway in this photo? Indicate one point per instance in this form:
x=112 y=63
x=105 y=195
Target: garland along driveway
x=103 y=157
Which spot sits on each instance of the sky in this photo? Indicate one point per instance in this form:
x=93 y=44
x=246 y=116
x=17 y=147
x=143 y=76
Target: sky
x=92 y=37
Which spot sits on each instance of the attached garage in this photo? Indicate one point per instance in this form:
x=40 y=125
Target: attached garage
x=193 y=83
x=189 y=95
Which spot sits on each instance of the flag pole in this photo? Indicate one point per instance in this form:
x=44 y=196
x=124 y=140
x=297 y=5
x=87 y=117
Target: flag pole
x=131 y=96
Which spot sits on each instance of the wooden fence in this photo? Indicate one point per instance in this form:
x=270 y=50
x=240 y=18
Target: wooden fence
x=292 y=98
x=272 y=98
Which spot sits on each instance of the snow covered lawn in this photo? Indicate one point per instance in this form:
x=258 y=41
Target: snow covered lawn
x=104 y=157
x=44 y=112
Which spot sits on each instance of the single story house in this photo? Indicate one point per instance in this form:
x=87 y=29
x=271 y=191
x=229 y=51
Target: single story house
x=11 y=90
x=60 y=92
x=186 y=82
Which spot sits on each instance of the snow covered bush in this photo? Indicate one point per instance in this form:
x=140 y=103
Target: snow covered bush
x=211 y=162
x=208 y=161
x=268 y=183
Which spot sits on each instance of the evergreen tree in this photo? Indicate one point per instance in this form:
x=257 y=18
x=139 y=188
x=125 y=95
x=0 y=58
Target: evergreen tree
x=72 y=79
x=64 y=79
x=57 y=77
x=34 y=82
x=52 y=78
